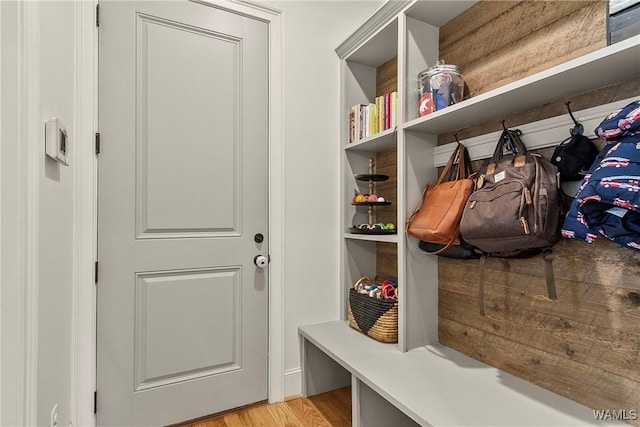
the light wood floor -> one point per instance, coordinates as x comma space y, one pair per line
331, 409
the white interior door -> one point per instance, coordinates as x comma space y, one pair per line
183, 187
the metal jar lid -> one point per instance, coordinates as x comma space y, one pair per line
439, 67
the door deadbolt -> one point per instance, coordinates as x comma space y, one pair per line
258, 238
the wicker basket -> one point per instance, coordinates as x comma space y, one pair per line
373, 317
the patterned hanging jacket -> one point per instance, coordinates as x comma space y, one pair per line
608, 201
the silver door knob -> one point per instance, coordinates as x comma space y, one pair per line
260, 261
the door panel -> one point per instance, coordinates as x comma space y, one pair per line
189, 91
206, 303
182, 309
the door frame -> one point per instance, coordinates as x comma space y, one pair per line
84, 367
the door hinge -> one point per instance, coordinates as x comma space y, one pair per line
95, 402
97, 15
97, 142
95, 273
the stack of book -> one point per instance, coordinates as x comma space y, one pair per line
366, 120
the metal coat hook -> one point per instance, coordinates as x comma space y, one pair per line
577, 129
456, 160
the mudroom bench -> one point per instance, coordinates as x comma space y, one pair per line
428, 386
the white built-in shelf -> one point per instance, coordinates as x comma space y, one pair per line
380, 48
601, 68
381, 141
437, 386
388, 238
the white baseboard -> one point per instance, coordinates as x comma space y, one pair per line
293, 382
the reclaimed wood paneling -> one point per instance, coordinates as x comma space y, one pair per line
526, 38
387, 77
476, 18
387, 253
585, 345
588, 384
387, 260
387, 164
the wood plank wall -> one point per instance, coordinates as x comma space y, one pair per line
497, 42
387, 253
585, 345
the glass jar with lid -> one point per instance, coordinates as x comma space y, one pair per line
440, 86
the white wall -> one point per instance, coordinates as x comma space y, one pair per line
38, 70
312, 31
57, 74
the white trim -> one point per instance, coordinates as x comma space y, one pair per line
293, 382
276, 211
259, 11
541, 134
1, 195
30, 138
83, 368
386, 13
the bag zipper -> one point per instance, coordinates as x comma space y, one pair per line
536, 194
523, 202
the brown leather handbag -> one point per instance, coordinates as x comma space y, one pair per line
438, 219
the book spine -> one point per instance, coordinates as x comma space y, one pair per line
387, 110
379, 112
372, 120
366, 121
356, 110
361, 133
352, 124
384, 112
394, 109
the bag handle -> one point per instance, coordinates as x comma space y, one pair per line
509, 141
464, 170
455, 157
452, 159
